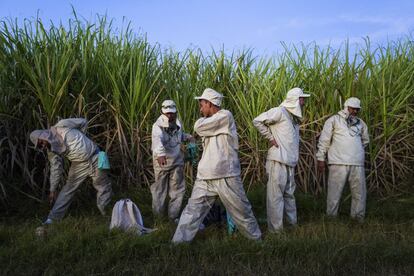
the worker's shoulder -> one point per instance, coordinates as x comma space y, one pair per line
225, 113
161, 122
274, 109
332, 120
335, 117
363, 123
69, 122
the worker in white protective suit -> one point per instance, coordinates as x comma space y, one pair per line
168, 161
343, 138
280, 125
218, 173
67, 139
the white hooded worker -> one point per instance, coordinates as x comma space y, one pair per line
168, 161
280, 125
218, 173
67, 139
343, 138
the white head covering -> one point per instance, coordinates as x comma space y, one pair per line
352, 102
168, 106
55, 140
212, 96
291, 102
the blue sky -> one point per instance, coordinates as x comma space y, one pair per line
234, 25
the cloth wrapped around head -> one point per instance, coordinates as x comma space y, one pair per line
354, 103
291, 102
51, 136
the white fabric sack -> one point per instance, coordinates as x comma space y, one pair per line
126, 216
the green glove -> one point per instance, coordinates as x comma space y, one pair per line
192, 153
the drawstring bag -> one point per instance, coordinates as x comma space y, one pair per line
126, 216
103, 161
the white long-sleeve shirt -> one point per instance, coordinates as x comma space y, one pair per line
56, 170
220, 157
277, 123
168, 145
344, 145
79, 148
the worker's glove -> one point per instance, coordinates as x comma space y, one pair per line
192, 152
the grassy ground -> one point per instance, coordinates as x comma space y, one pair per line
82, 244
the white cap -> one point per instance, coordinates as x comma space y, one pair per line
56, 142
168, 106
212, 96
291, 102
352, 102
292, 98
296, 93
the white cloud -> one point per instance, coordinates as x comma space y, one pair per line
300, 27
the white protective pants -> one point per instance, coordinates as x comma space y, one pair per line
280, 195
171, 182
232, 195
78, 172
338, 176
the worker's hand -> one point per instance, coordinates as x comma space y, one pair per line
321, 166
52, 197
162, 160
274, 143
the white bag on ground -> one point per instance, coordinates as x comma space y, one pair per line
126, 216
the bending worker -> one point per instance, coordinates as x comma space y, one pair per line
344, 137
218, 173
168, 161
280, 125
67, 139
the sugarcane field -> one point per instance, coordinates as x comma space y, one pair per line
119, 156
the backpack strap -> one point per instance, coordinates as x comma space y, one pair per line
133, 216
140, 224
130, 209
117, 214
138, 215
